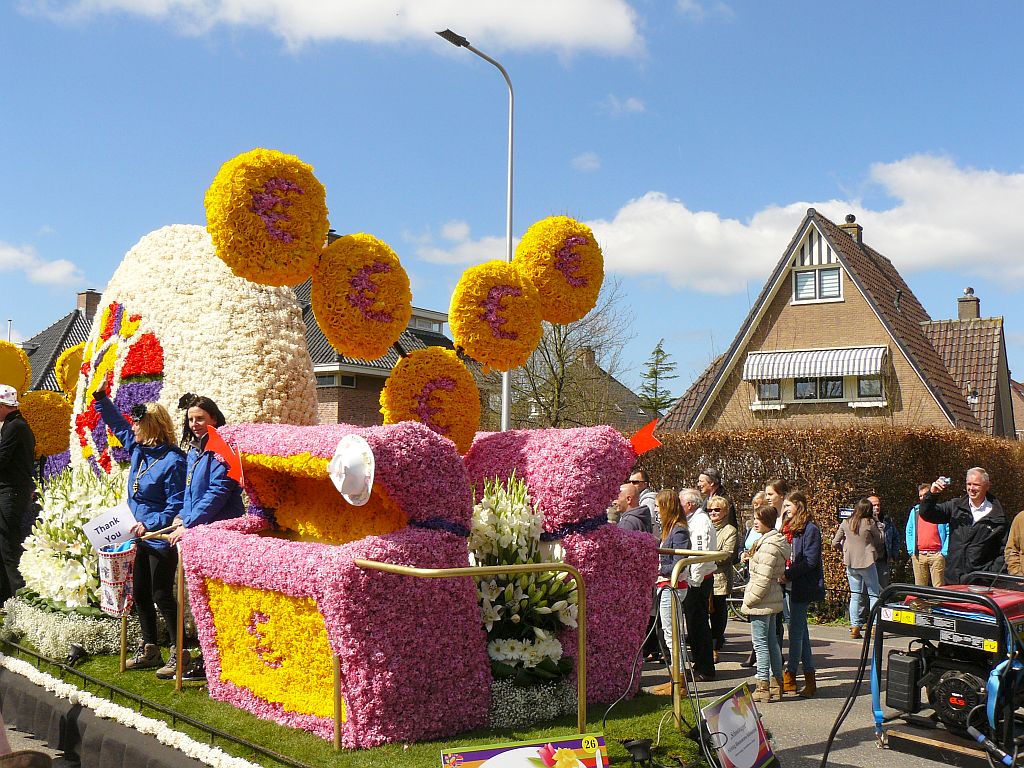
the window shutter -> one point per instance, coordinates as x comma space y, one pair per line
829, 283
804, 285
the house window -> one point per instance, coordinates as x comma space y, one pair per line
805, 389
824, 388
817, 284
348, 382
326, 380
869, 387
769, 390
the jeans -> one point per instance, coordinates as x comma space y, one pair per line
861, 579
665, 613
719, 620
15, 526
155, 569
799, 638
766, 646
698, 626
929, 568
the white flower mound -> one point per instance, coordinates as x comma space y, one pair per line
239, 343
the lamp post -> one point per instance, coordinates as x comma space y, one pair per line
460, 42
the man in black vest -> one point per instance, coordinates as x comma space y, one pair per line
17, 458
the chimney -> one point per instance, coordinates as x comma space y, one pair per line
968, 306
89, 302
853, 229
587, 356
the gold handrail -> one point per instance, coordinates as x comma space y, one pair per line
491, 570
690, 557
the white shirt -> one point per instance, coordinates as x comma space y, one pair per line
702, 539
980, 512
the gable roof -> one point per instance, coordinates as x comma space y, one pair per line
971, 350
885, 291
45, 347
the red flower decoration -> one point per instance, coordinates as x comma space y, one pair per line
145, 358
547, 754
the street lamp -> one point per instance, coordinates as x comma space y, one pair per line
460, 42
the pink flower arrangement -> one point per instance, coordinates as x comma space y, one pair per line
420, 470
571, 474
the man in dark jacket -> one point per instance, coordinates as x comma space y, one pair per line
977, 526
17, 457
633, 516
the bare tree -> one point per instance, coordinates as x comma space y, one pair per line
569, 379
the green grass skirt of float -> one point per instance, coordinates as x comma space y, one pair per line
637, 718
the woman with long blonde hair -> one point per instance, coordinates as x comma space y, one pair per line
674, 535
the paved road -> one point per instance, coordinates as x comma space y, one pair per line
801, 726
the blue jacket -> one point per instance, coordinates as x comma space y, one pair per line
806, 574
892, 541
210, 495
678, 538
159, 471
912, 533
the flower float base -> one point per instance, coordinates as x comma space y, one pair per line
52, 632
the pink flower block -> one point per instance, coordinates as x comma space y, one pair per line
413, 652
572, 474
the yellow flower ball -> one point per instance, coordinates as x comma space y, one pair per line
267, 215
360, 296
14, 368
432, 386
68, 368
495, 315
562, 258
49, 416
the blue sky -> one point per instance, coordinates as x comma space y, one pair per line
691, 135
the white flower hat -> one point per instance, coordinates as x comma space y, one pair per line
351, 469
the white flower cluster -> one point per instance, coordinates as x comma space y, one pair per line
521, 612
526, 653
239, 343
51, 632
127, 717
59, 563
514, 706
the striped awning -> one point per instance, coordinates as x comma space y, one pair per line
857, 361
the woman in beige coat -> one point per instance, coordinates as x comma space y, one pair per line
762, 600
724, 521
861, 540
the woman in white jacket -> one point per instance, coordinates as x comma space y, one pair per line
762, 601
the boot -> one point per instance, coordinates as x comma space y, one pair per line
855, 633
789, 682
146, 657
810, 686
665, 689
778, 688
763, 692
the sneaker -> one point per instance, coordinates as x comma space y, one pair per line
195, 671
170, 669
146, 657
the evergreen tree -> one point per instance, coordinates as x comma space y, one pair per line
653, 392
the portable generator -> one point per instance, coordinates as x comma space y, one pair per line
964, 655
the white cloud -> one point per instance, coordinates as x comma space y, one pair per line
630, 105
945, 217
460, 247
588, 161
701, 10
23, 258
608, 26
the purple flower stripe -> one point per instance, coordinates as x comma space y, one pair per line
118, 318
362, 285
424, 410
270, 205
568, 262
256, 620
492, 305
56, 464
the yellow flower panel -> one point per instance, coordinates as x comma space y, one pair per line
305, 500
273, 645
49, 416
14, 368
68, 369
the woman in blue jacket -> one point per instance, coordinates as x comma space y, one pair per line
156, 486
805, 577
210, 495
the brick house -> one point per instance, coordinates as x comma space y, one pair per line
836, 336
45, 347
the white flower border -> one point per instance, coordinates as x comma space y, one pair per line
108, 710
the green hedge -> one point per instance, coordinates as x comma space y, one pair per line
837, 466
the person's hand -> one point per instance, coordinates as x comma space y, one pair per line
138, 530
745, 556
939, 485
175, 536
99, 394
